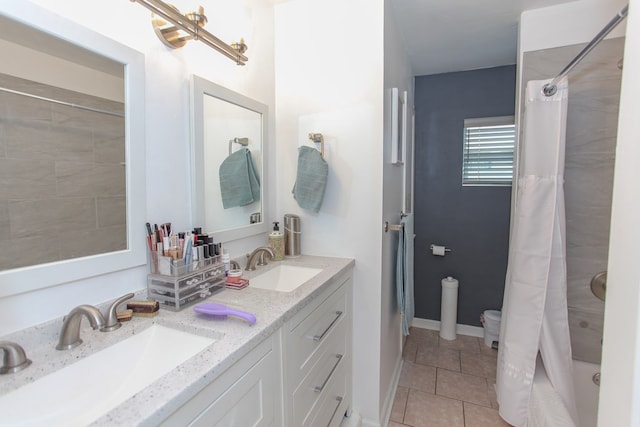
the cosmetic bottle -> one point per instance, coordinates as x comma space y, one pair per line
276, 241
226, 261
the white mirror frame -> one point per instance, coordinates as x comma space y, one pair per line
26, 279
199, 88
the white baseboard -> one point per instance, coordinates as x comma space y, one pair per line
472, 331
391, 392
353, 420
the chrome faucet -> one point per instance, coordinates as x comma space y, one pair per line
258, 254
111, 322
70, 332
14, 358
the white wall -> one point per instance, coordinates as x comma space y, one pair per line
568, 23
167, 126
329, 79
397, 74
560, 26
620, 386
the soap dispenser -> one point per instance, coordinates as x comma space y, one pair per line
276, 241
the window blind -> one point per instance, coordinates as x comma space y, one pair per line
488, 151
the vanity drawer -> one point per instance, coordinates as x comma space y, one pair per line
304, 340
334, 402
330, 359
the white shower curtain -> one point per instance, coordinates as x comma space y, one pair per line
534, 312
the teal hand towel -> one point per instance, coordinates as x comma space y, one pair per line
311, 179
404, 273
239, 182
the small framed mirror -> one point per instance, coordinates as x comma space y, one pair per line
229, 177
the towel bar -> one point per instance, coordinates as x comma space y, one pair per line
242, 141
392, 227
318, 139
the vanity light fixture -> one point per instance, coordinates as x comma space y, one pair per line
174, 29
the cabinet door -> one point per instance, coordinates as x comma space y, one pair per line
247, 394
250, 401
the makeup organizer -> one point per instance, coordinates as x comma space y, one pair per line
176, 284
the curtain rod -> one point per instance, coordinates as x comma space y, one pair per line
68, 104
550, 88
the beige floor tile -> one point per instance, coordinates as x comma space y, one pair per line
409, 350
439, 357
486, 350
429, 410
481, 416
456, 385
418, 377
462, 342
394, 424
399, 404
480, 364
491, 392
426, 337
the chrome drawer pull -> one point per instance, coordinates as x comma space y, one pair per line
318, 389
319, 337
339, 399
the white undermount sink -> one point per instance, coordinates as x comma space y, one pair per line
80, 393
284, 277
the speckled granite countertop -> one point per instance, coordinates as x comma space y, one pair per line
234, 339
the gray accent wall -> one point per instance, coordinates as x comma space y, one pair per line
473, 220
592, 119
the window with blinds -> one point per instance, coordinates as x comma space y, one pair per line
488, 151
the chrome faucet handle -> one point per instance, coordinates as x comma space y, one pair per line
261, 259
258, 255
14, 358
70, 332
111, 322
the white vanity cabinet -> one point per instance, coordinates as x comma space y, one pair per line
316, 359
247, 394
300, 376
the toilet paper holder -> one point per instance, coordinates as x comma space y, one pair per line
432, 246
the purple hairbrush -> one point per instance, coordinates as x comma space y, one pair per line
222, 311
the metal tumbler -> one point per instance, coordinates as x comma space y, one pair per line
291, 235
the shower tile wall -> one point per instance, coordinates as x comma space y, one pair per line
594, 94
62, 179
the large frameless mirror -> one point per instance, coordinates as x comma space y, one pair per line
71, 155
229, 140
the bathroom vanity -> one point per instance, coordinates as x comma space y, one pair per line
291, 368
298, 376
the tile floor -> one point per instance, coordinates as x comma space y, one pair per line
446, 383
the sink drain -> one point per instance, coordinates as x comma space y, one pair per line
596, 378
